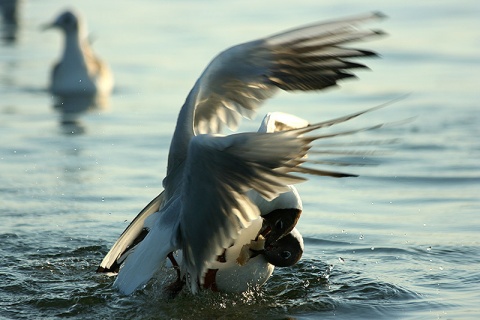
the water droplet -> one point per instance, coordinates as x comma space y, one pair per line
326, 273
372, 248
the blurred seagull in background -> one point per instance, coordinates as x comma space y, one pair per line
79, 71
223, 194
10, 12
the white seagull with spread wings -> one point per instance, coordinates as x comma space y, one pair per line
217, 186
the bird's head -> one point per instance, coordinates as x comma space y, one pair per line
286, 251
68, 21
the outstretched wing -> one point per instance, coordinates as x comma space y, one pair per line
239, 79
133, 234
312, 57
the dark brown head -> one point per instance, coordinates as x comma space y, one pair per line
279, 223
286, 251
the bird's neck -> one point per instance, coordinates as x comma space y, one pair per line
73, 47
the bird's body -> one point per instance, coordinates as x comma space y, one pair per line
219, 188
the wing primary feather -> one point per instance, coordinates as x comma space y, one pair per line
130, 237
311, 57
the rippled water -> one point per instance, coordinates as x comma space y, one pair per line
400, 241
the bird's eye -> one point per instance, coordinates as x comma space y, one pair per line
286, 254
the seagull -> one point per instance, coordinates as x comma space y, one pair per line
270, 241
220, 190
79, 71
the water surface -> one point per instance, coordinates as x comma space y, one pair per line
400, 241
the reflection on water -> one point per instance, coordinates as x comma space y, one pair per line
71, 108
73, 127
9, 9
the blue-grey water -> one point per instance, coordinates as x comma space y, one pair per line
400, 241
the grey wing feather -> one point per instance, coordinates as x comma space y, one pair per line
312, 57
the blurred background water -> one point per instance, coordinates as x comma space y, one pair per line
400, 241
